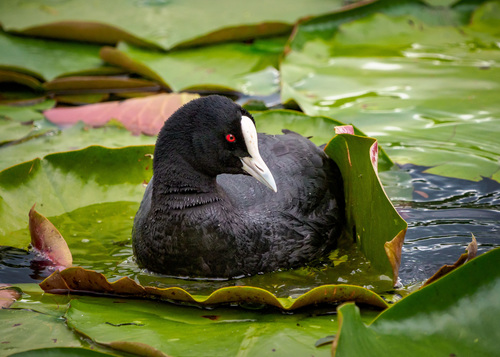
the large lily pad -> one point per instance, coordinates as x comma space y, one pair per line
164, 24
456, 315
386, 75
164, 327
62, 182
76, 137
48, 59
246, 68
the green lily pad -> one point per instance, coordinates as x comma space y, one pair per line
62, 182
424, 91
18, 326
164, 24
325, 26
456, 315
318, 128
48, 59
163, 326
245, 68
375, 225
77, 137
23, 123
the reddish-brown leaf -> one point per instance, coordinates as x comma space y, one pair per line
139, 115
79, 280
8, 295
48, 242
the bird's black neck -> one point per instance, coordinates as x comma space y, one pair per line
177, 185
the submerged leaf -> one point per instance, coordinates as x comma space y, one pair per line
48, 242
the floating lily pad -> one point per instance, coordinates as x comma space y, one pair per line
17, 328
139, 115
164, 24
23, 123
62, 182
424, 91
163, 326
246, 68
456, 315
48, 59
325, 26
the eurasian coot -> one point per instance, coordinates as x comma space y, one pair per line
204, 215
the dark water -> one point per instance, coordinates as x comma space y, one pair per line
441, 214
441, 217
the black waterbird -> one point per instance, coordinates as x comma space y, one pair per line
203, 214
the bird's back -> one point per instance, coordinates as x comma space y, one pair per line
303, 219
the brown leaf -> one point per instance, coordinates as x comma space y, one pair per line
8, 295
21, 78
48, 242
393, 251
471, 253
145, 115
79, 280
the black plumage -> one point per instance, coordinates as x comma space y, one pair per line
203, 215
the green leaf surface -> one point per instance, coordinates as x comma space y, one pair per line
164, 326
371, 219
77, 137
62, 182
325, 26
164, 24
241, 67
428, 93
319, 129
23, 123
456, 315
18, 327
46, 59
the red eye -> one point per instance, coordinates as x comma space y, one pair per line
230, 138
